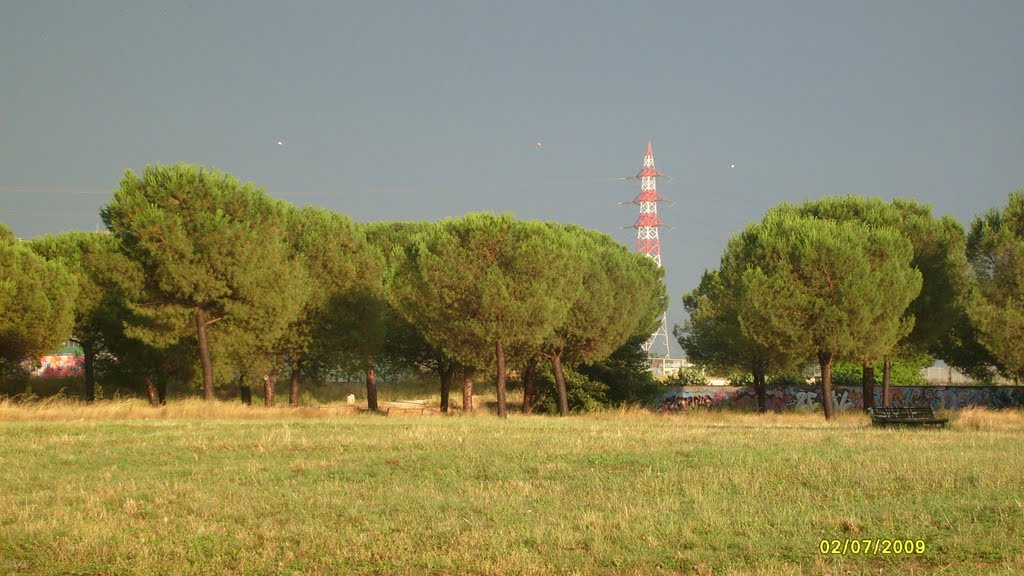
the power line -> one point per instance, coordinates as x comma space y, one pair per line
54, 190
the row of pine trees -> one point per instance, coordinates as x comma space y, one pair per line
863, 280
203, 278
206, 278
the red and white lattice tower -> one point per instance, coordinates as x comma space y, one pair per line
648, 243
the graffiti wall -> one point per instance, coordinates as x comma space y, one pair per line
59, 366
845, 398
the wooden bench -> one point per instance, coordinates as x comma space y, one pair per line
407, 409
905, 417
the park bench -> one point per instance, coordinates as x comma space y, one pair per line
409, 408
905, 417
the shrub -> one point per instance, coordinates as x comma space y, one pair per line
741, 379
687, 377
788, 380
626, 374
584, 394
905, 372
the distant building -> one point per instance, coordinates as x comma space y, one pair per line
947, 375
669, 366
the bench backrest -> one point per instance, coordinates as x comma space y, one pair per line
904, 412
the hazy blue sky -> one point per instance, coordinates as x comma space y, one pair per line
424, 110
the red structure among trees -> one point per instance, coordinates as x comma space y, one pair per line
648, 242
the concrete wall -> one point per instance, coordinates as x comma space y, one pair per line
845, 398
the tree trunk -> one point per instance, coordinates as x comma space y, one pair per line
244, 391
447, 377
204, 354
886, 390
293, 392
467, 389
867, 384
164, 372
499, 355
89, 357
269, 380
760, 389
563, 394
371, 385
529, 386
825, 361
154, 399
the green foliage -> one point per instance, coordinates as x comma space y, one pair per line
406, 349
712, 336
938, 254
584, 394
626, 373
822, 286
905, 372
107, 280
37, 304
404, 345
358, 322
741, 379
483, 287
687, 377
341, 322
712, 329
961, 348
131, 363
995, 249
210, 247
72, 251
788, 380
624, 294
393, 239
480, 279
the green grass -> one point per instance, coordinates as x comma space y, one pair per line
612, 493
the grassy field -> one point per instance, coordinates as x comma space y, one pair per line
121, 488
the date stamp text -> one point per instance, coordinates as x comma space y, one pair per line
871, 546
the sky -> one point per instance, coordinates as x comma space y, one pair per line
402, 110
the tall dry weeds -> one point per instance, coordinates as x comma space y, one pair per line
56, 409
1008, 420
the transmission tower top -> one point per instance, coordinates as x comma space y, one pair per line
647, 224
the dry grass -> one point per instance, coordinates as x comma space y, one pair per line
789, 419
967, 419
988, 420
58, 408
